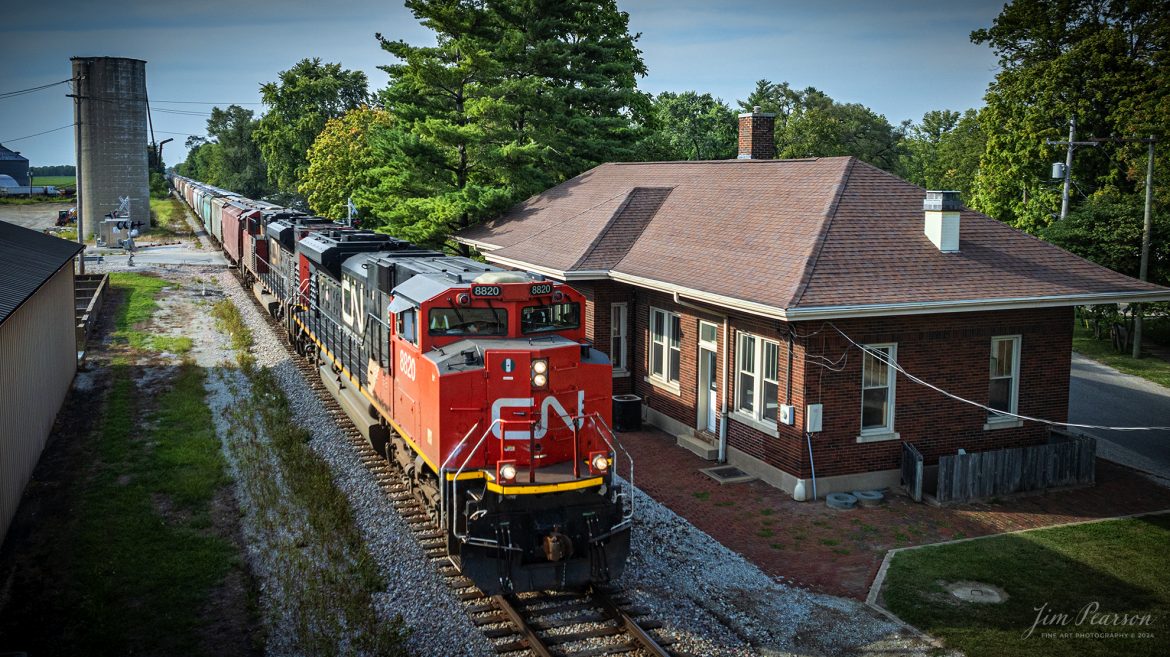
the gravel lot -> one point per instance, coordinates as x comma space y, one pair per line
33, 215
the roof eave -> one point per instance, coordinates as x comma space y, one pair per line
571, 275
973, 305
483, 247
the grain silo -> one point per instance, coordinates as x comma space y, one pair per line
111, 115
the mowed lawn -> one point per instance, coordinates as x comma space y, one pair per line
1093, 589
56, 181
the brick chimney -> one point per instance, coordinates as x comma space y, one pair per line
757, 138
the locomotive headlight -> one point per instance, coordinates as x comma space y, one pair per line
540, 373
507, 471
600, 462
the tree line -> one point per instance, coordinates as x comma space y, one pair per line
516, 96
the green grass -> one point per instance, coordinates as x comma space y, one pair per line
328, 571
55, 181
168, 218
141, 292
1150, 368
1120, 566
702, 495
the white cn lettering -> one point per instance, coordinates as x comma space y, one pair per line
539, 431
406, 364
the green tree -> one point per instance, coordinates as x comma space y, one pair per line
200, 153
235, 162
943, 150
690, 126
299, 103
342, 161
811, 124
1102, 61
514, 97
1107, 229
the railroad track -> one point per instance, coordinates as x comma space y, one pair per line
591, 623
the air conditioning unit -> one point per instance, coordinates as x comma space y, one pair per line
787, 414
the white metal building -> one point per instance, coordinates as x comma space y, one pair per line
38, 351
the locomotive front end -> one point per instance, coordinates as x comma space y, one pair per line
548, 512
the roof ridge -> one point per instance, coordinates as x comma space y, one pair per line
822, 235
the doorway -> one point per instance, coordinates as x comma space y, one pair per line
708, 377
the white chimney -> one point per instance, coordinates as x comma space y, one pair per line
942, 220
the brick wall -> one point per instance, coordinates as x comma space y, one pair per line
952, 352
599, 297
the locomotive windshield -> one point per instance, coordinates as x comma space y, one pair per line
468, 321
554, 317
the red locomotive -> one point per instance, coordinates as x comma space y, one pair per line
477, 382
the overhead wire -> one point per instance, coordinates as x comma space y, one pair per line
37, 134
882, 356
21, 92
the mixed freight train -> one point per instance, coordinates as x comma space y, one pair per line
477, 382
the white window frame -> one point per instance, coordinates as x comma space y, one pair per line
757, 374
995, 419
619, 328
886, 431
668, 321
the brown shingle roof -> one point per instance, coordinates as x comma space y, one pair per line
791, 235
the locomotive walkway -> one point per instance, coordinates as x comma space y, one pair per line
839, 552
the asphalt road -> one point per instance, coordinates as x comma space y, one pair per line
1103, 396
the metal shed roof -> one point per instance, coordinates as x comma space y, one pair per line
31, 260
6, 154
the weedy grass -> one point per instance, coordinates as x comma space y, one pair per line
1052, 577
168, 218
325, 569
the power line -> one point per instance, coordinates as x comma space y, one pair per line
38, 134
199, 102
21, 92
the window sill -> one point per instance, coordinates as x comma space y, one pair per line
752, 422
1003, 423
619, 373
671, 387
879, 437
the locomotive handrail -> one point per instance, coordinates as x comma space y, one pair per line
459, 471
627, 516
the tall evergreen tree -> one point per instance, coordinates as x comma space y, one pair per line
515, 96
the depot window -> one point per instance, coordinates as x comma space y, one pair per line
757, 386
553, 317
1004, 390
468, 321
665, 345
877, 388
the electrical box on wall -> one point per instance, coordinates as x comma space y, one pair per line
813, 418
787, 414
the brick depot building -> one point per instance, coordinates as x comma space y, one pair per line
730, 295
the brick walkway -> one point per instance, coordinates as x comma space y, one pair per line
838, 552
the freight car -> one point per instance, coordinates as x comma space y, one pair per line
477, 382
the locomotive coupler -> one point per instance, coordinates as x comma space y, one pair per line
557, 546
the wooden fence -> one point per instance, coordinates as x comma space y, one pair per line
1066, 460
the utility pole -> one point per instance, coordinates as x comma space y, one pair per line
77, 94
1068, 160
1147, 229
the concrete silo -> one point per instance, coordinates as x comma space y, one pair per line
111, 115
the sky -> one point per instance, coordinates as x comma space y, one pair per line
901, 58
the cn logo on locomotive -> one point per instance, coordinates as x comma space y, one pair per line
542, 428
406, 364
